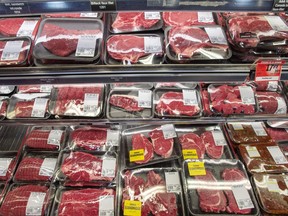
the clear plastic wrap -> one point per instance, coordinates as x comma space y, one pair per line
3, 107
131, 86
6, 89
7, 165
75, 15
34, 88
190, 85
270, 86
271, 103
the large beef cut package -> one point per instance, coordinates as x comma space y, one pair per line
150, 145
77, 100
34, 88
151, 191
130, 104
130, 49
75, 15
199, 142
64, 40
3, 107
84, 201
7, 165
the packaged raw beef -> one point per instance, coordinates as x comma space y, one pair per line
93, 138
84, 201
271, 190
124, 22
284, 16
74, 15
199, 142
155, 191
218, 187
177, 103
46, 138
23, 106
3, 188
34, 88
185, 18
232, 99
271, 103
7, 165
130, 49
77, 100
130, 104
270, 86
6, 89
131, 85
173, 85
36, 166
278, 134
83, 168
65, 40
205, 102
264, 158
186, 44
150, 145
248, 132
3, 107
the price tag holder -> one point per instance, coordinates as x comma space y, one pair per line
113, 137
54, 137
108, 167
168, 131
48, 166
277, 155
152, 45
252, 151
91, 102
145, 98
35, 204
27, 28
12, 50
219, 138
152, 15
247, 95
272, 185
190, 97
189, 154
106, 205
132, 208
172, 182
103, 5
242, 197
86, 46
4, 165
216, 35
269, 70
136, 155
258, 129
196, 168
39, 107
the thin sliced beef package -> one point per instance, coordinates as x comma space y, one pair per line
34, 88
271, 103
7, 165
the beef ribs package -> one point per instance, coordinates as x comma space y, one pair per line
199, 142
130, 104
124, 22
74, 15
8, 162
84, 201
36, 166
155, 191
184, 103
218, 187
93, 138
3, 107
83, 168
6, 89
176, 85
64, 40
147, 145
46, 138
131, 86
186, 44
127, 49
24, 106
34, 88
77, 100
271, 191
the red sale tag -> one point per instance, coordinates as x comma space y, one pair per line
268, 70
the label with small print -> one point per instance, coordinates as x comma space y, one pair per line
237, 126
190, 97
11, 51
168, 131
172, 182
106, 205
27, 28
46, 88
258, 129
189, 154
276, 23
196, 168
282, 107
252, 151
39, 107
54, 137
206, 17
242, 197
286, 180
136, 155
272, 185
277, 155
35, 204
272, 86
108, 167
4, 165
145, 98
132, 208
152, 45
219, 138
113, 137
216, 35
90, 102
95, 15
86, 46
48, 166
247, 95
152, 15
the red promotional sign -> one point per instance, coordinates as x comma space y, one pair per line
268, 70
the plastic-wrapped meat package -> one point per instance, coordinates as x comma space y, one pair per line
185, 18
271, 103
284, 16
34, 88
7, 165
278, 134
206, 103
270, 86
25, 200
3, 108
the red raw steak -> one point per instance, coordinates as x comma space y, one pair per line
9, 172
268, 102
206, 103
183, 18
128, 103
22, 56
3, 108
212, 150
193, 141
139, 141
82, 202
172, 103
162, 146
16, 200
278, 134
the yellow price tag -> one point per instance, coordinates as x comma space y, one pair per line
136, 155
189, 154
132, 208
196, 168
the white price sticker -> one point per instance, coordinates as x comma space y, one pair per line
277, 155
252, 151
6, 89
106, 205
48, 166
172, 182
90, 102
27, 28
272, 185
95, 15
282, 107
219, 138
277, 23
168, 131
46, 88
272, 86
247, 95
86, 46
237, 126
35, 204
242, 197
39, 107
113, 137
216, 35
145, 98
11, 51
286, 180
190, 97
152, 45
258, 129
4, 165
54, 137
205, 17
152, 15
108, 167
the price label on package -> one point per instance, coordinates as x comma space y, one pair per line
242, 197
86, 46
27, 28
282, 107
189, 154
54, 137
145, 98
216, 35
91, 103
258, 129
113, 137
35, 204
4, 165
108, 167
269, 70
252, 151
152, 45
46, 88
277, 23
152, 15
196, 168
11, 51
219, 138
206, 17
277, 155
172, 182
272, 185
106, 205
47, 167
132, 208
247, 95
168, 131
136, 155
237, 126
190, 97
39, 107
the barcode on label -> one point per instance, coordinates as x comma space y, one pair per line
190, 97
152, 45
247, 95
39, 107
205, 17
113, 137
145, 98
46, 88
35, 204
272, 86
4, 165
90, 103
172, 182
11, 51
108, 167
106, 205
216, 35
168, 131
152, 15
242, 197
219, 138
106, 213
54, 137
86, 46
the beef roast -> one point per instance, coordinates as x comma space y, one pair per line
212, 150
183, 18
140, 141
193, 141
162, 146
125, 102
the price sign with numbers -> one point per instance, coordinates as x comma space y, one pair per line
91, 103
106, 205
268, 70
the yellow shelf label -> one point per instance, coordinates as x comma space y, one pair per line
196, 168
189, 154
132, 208
136, 155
